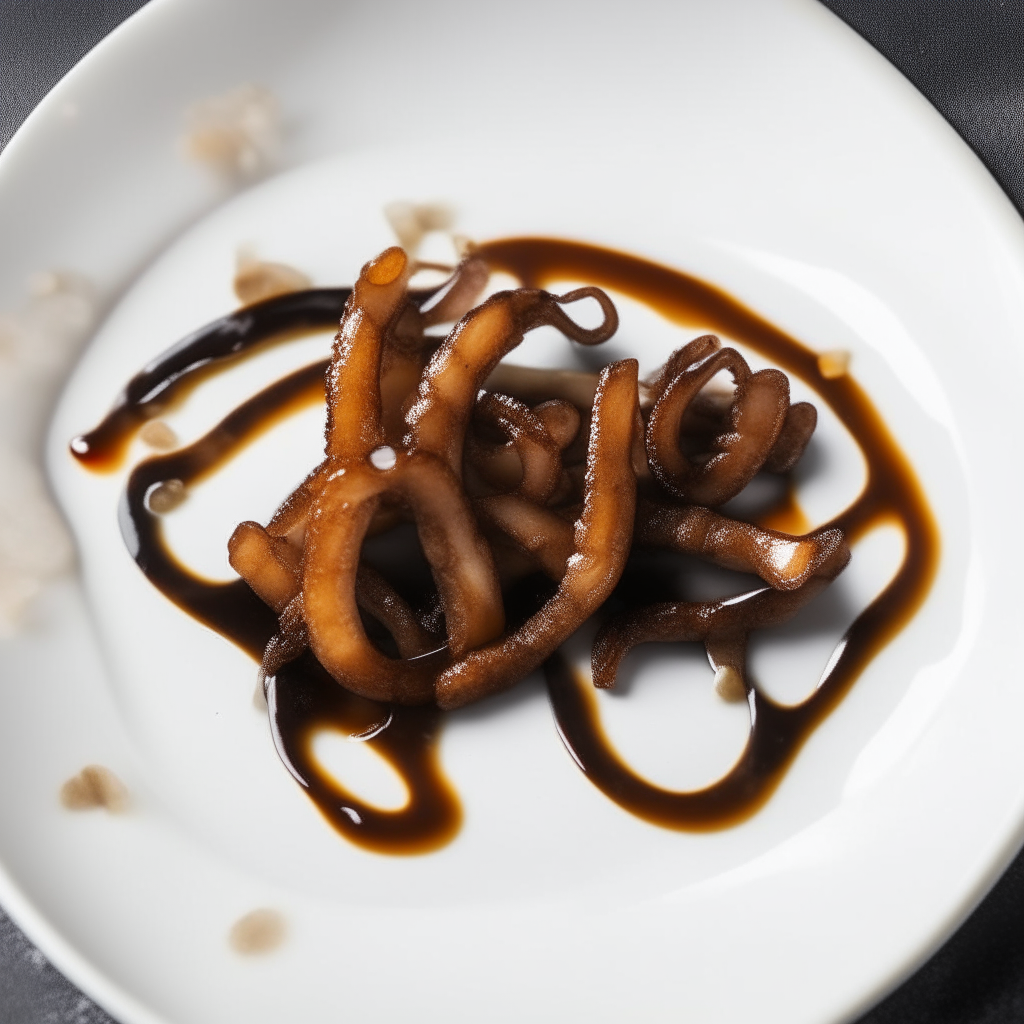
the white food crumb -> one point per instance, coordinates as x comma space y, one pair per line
256, 279
94, 786
259, 931
157, 434
383, 457
729, 684
411, 221
237, 134
166, 496
834, 364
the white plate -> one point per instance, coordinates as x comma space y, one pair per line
760, 145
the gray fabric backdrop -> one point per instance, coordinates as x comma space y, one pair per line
968, 59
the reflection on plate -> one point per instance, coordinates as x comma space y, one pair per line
831, 234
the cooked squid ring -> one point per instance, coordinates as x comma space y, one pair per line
456, 298
711, 415
758, 412
542, 534
801, 419
601, 543
269, 559
377, 597
561, 420
530, 463
439, 416
407, 348
265, 563
459, 557
682, 359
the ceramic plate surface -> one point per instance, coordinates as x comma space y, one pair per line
758, 145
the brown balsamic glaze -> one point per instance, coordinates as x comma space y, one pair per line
214, 348
303, 699
891, 494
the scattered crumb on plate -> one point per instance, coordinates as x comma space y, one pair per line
729, 684
259, 931
834, 364
166, 497
94, 786
256, 279
411, 221
157, 434
237, 134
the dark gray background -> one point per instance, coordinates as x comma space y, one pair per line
968, 59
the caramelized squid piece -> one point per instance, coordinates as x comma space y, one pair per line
759, 410
543, 535
378, 598
801, 419
783, 561
439, 416
407, 348
801, 567
601, 543
398, 434
530, 463
306, 563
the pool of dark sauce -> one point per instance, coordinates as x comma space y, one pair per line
304, 700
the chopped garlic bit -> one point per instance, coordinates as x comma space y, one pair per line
259, 931
383, 457
157, 434
237, 134
729, 684
256, 279
94, 786
834, 364
411, 221
166, 496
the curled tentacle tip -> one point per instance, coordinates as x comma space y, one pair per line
605, 656
450, 696
387, 267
